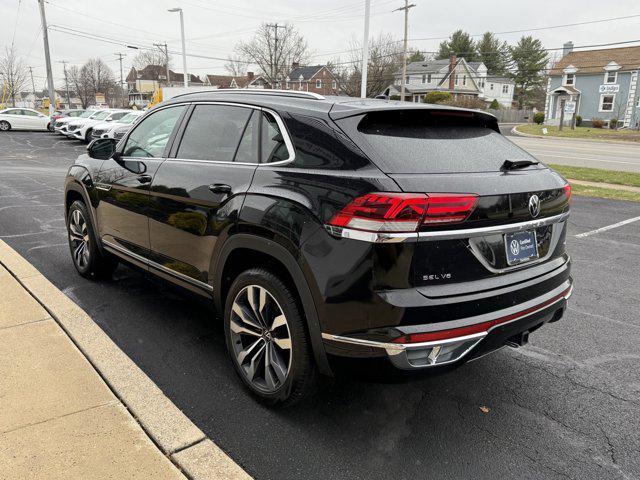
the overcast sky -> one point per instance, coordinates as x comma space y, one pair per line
214, 27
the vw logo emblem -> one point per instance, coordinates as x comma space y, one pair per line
514, 246
534, 206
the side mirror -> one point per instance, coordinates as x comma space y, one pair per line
102, 148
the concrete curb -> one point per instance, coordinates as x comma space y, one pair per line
518, 133
170, 429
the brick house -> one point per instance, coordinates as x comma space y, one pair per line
314, 78
143, 83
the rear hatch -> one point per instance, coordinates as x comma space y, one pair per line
519, 216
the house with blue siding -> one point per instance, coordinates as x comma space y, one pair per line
602, 84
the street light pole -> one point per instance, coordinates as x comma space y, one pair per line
184, 52
365, 50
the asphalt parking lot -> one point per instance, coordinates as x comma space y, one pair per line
565, 406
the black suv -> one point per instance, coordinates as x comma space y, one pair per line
328, 229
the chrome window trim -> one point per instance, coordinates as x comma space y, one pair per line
283, 129
427, 236
157, 266
255, 91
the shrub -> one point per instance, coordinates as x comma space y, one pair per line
539, 118
394, 97
466, 101
495, 105
613, 123
597, 122
578, 120
437, 97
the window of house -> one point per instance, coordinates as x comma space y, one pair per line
334, 85
213, 132
610, 77
505, 88
457, 79
300, 86
406, 80
273, 146
464, 79
570, 79
424, 79
491, 86
606, 103
150, 137
287, 85
318, 83
429, 78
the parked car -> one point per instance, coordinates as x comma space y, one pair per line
412, 236
81, 128
61, 124
23, 119
107, 129
73, 112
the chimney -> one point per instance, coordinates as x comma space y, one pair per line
567, 48
250, 75
295, 65
452, 66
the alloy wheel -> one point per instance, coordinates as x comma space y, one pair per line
260, 338
4, 126
79, 238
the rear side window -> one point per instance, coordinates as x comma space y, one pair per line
273, 146
214, 132
422, 141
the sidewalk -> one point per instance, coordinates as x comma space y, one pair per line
74, 406
59, 419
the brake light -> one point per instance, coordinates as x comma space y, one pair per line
567, 191
403, 212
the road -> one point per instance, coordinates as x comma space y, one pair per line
580, 153
566, 406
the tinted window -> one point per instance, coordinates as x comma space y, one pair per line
248, 148
213, 132
152, 134
29, 113
420, 141
100, 115
272, 142
117, 116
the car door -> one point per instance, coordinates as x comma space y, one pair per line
123, 182
32, 120
18, 119
197, 192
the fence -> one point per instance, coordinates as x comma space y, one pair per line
509, 115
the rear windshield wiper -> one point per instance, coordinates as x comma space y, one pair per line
514, 164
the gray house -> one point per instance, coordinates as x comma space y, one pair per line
600, 83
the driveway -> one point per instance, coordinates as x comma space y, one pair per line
565, 406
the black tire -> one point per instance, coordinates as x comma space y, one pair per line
5, 126
50, 127
302, 377
85, 254
87, 136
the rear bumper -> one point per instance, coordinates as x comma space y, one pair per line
465, 340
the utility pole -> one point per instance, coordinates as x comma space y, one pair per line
274, 61
166, 59
365, 50
33, 87
66, 82
406, 8
47, 58
120, 56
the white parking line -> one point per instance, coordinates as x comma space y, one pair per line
608, 227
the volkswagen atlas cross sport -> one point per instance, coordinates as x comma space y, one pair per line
329, 229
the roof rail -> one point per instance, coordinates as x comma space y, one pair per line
257, 91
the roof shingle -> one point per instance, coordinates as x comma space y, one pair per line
594, 61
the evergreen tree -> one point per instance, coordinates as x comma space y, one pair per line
416, 56
494, 54
460, 43
529, 61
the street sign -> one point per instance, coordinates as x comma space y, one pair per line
609, 88
570, 107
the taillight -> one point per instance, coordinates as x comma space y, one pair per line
403, 212
567, 191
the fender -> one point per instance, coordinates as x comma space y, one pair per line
280, 253
79, 180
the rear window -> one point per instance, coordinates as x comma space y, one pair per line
423, 141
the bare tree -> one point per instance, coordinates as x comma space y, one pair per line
385, 59
274, 50
94, 77
13, 74
236, 66
151, 57
81, 84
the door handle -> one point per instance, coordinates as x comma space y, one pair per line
145, 178
220, 188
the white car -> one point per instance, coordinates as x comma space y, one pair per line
61, 124
81, 128
107, 129
23, 119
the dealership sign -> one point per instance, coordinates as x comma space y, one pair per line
609, 88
